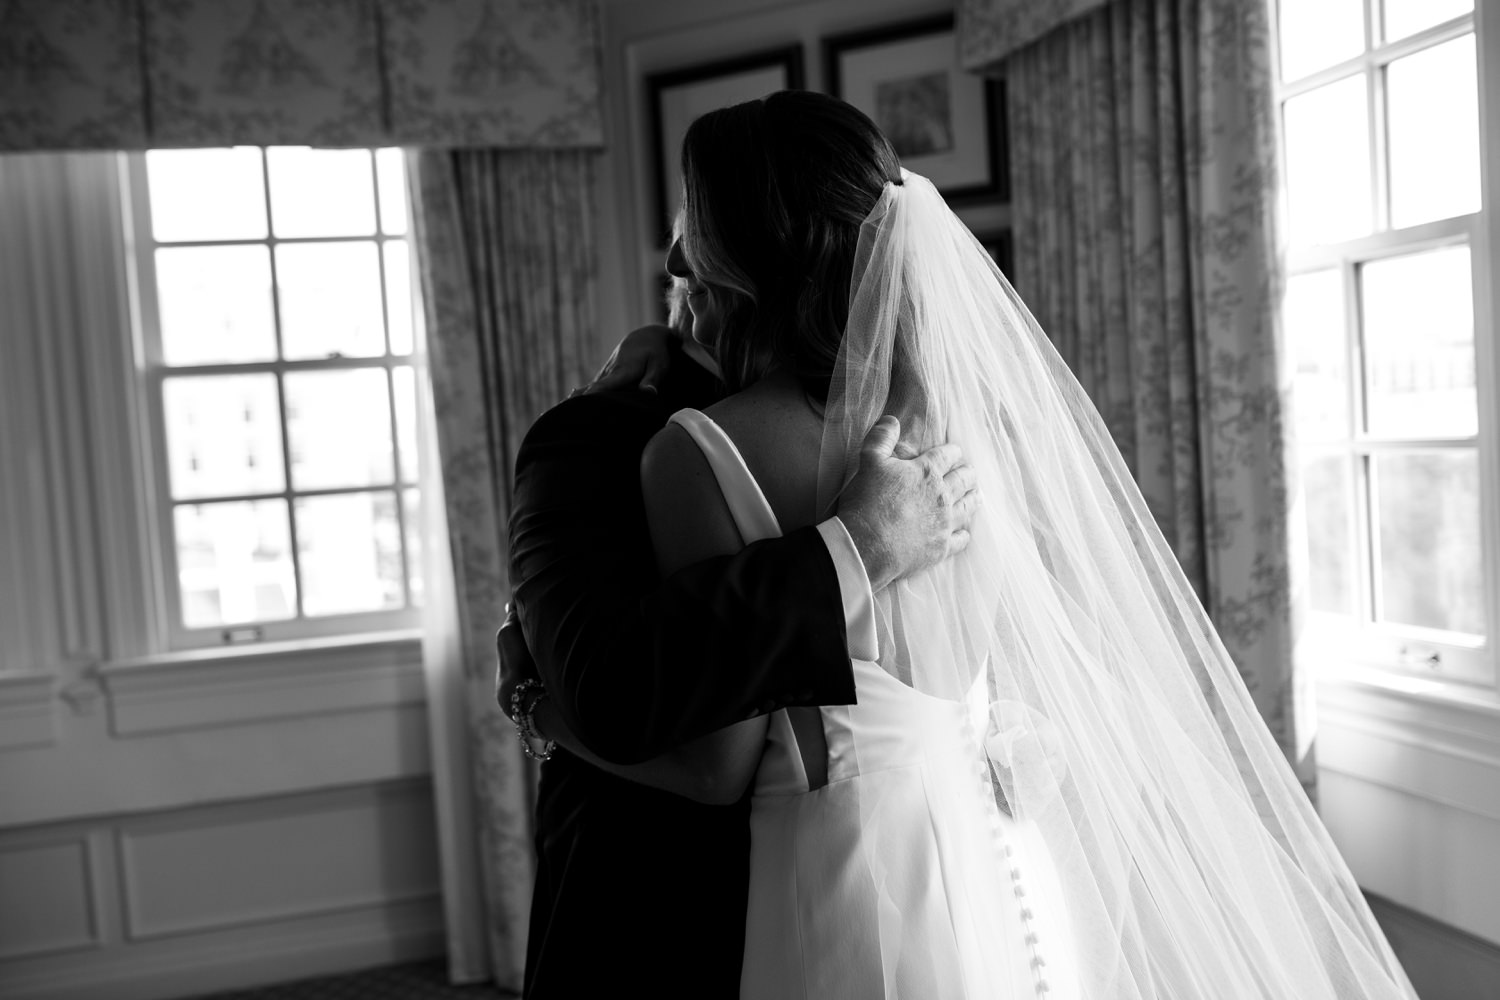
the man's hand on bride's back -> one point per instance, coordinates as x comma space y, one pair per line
907, 512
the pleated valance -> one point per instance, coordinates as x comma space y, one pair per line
990, 30
131, 74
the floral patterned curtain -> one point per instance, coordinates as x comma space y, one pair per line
1144, 180
508, 265
990, 30
131, 74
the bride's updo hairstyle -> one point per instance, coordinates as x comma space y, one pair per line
776, 190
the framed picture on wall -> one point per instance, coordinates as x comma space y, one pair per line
678, 96
945, 123
1000, 245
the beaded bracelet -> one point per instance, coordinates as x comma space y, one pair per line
521, 714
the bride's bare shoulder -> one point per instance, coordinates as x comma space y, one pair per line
779, 433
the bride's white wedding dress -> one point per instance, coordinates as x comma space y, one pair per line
969, 896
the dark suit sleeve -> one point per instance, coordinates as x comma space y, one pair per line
637, 666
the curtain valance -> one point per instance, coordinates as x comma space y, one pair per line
130, 74
990, 30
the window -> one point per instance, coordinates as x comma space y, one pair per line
1387, 263
275, 337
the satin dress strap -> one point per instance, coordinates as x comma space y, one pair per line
800, 727
747, 502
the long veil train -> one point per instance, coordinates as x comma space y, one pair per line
1190, 862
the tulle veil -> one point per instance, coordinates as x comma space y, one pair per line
1107, 711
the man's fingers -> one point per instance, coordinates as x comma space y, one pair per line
964, 509
942, 458
881, 440
612, 379
958, 541
607, 369
961, 479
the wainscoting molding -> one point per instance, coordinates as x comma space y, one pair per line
204, 688
1443, 962
276, 859
214, 962
1409, 787
225, 896
53, 895
27, 717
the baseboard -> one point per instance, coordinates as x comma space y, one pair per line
198, 964
1443, 962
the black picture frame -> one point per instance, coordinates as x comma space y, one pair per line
1000, 245
671, 108
971, 109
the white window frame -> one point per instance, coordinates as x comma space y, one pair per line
1338, 640
166, 633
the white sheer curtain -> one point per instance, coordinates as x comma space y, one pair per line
442, 661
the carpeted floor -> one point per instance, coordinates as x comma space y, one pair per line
417, 981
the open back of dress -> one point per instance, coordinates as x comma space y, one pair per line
964, 893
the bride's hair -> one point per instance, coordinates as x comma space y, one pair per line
775, 192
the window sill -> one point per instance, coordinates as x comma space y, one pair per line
227, 686
26, 710
1455, 697
1436, 740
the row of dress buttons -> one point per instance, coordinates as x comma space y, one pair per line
1033, 943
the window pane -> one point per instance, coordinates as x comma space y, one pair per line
1407, 17
1316, 34
234, 563
1315, 332
404, 385
1328, 163
1419, 345
398, 295
330, 300
411, 501
1428, 519
339, 425
223, 435
206, 194
1325, 485
1433, 114
321, 192
392, 191
215, 305
349, 547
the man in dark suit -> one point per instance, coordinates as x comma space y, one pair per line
638, 889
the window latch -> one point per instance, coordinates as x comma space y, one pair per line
1421, 656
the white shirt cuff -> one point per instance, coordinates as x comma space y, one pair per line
854, 588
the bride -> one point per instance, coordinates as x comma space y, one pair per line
1054, 782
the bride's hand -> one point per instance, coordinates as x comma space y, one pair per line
640, 359
906, 513
513, 662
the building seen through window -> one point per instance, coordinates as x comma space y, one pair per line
278, 332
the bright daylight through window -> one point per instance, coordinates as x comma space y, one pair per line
1382, 133
277, 325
